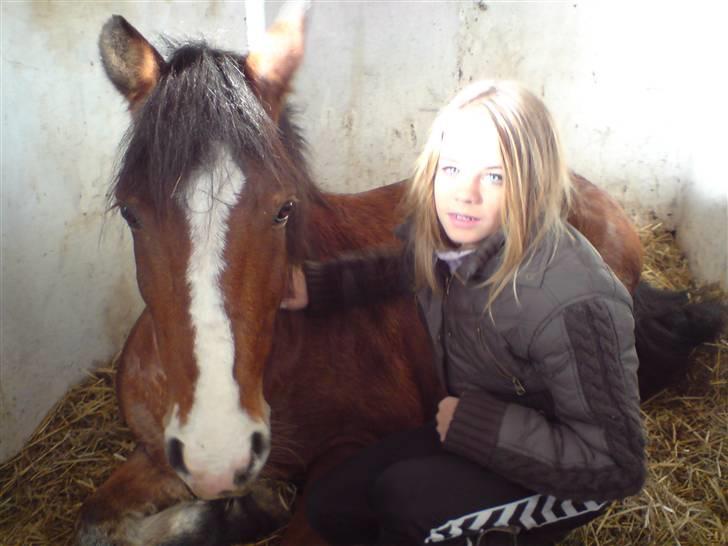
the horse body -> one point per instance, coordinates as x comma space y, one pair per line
335, 384
347, 379
598, 216
222, 389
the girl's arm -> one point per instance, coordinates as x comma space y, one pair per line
594, 447
359, 278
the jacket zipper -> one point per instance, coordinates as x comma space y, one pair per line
517, 385
443, 342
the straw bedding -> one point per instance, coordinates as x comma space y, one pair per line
684, 501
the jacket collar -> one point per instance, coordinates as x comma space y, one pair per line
479, 265
476, 263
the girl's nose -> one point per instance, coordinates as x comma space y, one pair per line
468, 188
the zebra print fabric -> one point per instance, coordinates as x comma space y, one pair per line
527, 513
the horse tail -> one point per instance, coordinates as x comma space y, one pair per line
667, 329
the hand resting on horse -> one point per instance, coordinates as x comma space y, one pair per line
296, 297
445, 412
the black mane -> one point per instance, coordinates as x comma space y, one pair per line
203, 102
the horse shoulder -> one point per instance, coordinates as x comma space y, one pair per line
142, 386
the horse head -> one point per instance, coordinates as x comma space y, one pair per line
213, 187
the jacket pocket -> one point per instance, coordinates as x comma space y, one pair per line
497, 363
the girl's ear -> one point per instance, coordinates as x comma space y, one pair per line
274, 60
131, 63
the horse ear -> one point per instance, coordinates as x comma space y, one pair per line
273, 61
131, 63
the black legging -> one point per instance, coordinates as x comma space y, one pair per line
408, 490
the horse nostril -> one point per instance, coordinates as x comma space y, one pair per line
174, 455
258, 444
242, 477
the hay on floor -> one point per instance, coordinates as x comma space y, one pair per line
72, 452
684, 502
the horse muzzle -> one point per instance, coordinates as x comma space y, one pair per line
225, 475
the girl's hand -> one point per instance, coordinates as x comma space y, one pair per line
445, 411
296, 297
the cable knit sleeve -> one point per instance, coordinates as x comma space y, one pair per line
594, 447
358, 278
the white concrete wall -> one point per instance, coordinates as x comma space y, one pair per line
635, 88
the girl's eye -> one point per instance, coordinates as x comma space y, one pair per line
449, 170
284, 212
128, 215
494, 178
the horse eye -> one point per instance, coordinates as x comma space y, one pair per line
128, 215
284, 212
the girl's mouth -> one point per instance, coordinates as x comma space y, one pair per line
462, 220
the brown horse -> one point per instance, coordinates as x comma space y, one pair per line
221, 388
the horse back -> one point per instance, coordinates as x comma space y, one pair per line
348, 222
370, 218
603, 221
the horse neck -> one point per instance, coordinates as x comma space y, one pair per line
337, 223
341, 223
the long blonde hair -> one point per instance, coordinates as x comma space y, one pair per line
537, 186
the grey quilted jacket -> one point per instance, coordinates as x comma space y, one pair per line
547, 382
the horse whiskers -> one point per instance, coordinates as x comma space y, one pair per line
284, 449
285, 454
176, 185
281, 426
285, 441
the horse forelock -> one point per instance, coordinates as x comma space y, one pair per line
204, 102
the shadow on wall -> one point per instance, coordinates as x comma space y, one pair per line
703, 213
703, 227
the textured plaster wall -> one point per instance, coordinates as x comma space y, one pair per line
635, 88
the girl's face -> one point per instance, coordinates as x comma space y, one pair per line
469, 178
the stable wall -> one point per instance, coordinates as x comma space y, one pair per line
634, 91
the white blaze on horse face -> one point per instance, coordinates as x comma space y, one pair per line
217, 434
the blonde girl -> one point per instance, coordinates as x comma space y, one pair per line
533, 340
